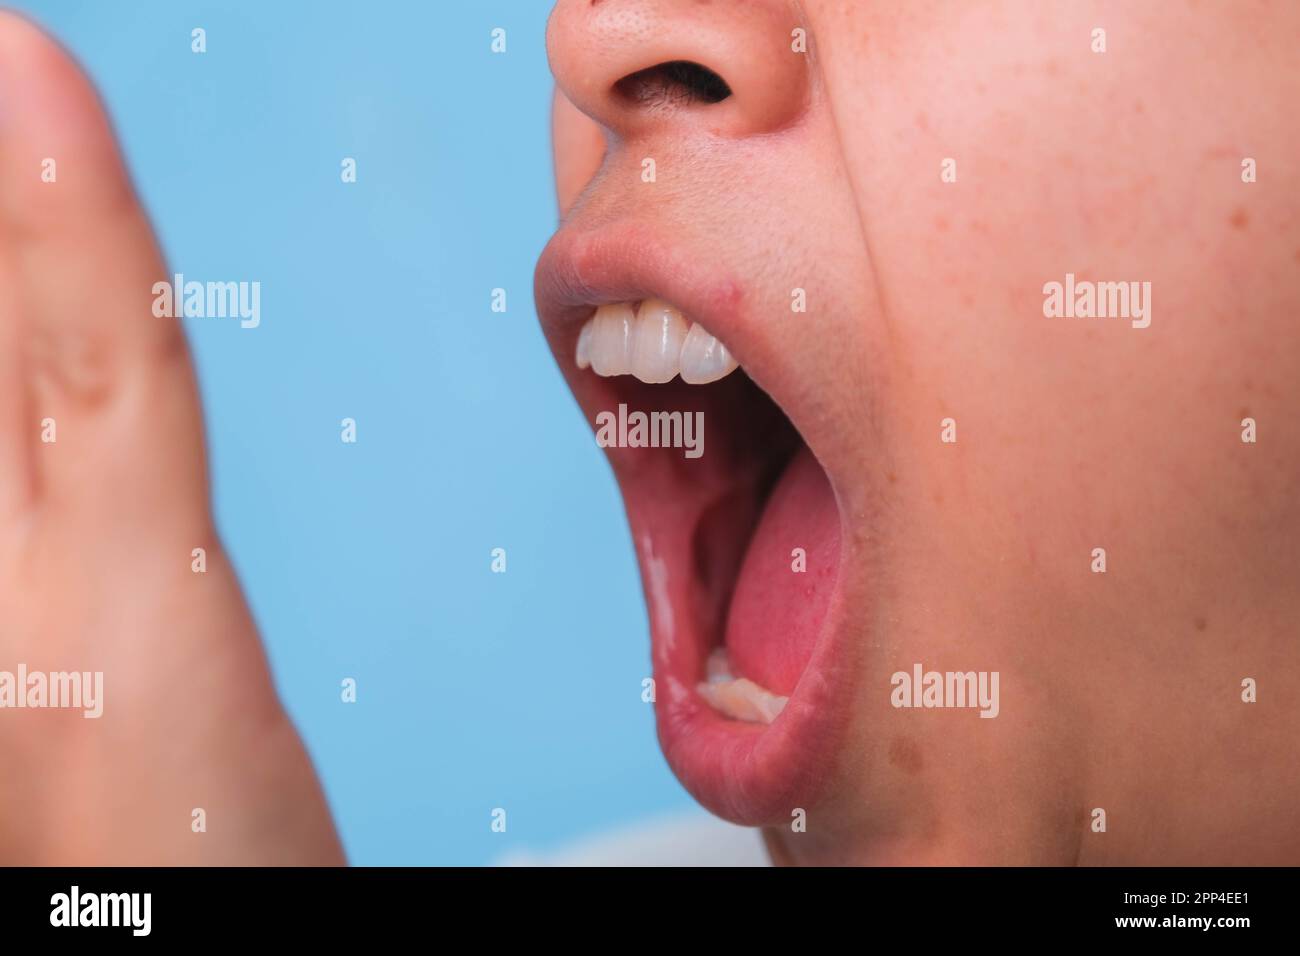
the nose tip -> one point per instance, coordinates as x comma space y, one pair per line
635, 64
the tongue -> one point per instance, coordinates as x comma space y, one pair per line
776, 611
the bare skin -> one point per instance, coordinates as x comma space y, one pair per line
100, 525
1120, 691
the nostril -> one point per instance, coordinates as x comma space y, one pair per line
674, 83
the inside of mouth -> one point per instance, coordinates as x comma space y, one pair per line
764, 547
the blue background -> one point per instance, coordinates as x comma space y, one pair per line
475, 690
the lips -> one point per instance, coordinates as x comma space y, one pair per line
740, 548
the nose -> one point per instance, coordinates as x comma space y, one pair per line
737, 67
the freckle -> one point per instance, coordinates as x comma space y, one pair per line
1199, 623
906, 755
1138, 107
893, 478
922, 122
941, 224
978, 225
1239, 219
1244, 413
1052, 68
967, 300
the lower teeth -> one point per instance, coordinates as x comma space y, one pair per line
738, 697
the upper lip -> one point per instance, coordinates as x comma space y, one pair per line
749, 774
581, 269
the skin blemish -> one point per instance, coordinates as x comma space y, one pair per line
1199, 623
1239, 219
727, 295
905, 754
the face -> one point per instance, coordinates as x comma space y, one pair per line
1013, 305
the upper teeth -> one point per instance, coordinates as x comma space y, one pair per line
652, 343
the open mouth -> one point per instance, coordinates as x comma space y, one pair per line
765, 546
735, 521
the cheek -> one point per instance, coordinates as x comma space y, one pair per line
1113, 167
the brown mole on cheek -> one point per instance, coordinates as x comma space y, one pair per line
905, 754
1199, 623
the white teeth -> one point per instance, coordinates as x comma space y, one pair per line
704, 359
657, 342
583, 358
610, 344
653, 343
738, 698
